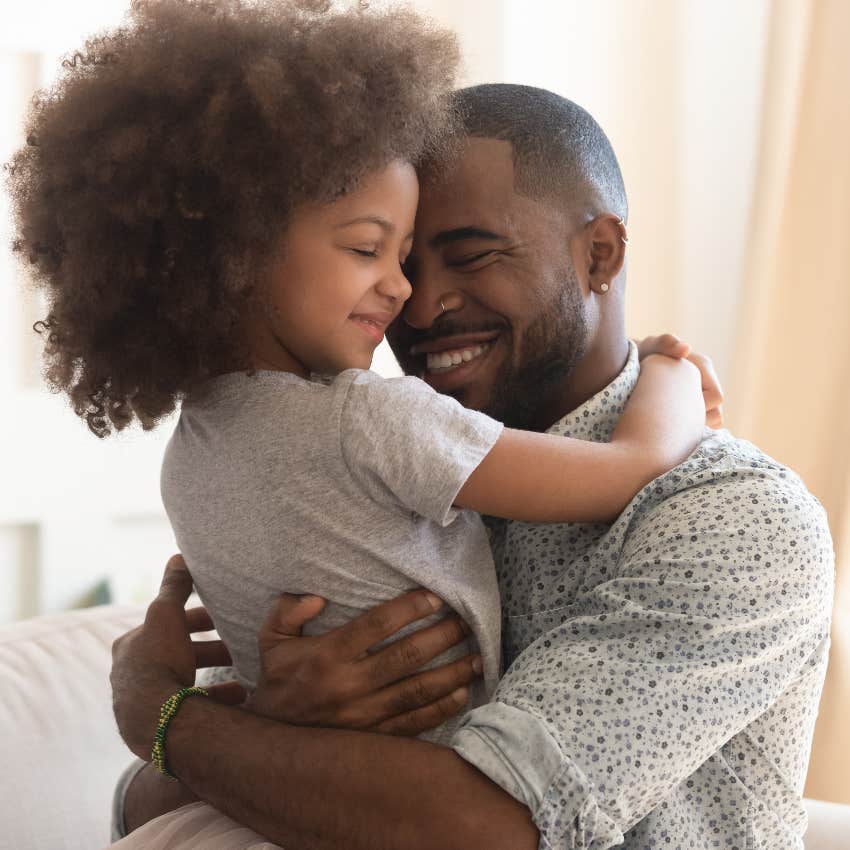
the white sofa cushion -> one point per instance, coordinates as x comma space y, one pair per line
829, 826
61, 749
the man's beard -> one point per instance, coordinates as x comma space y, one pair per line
552, 346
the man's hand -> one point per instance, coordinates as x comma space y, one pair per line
306, 787
333, 680
671, 346
156, 659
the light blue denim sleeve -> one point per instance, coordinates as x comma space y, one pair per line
515, 750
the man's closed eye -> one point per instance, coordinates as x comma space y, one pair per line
469, 259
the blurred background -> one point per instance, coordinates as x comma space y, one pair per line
732, 124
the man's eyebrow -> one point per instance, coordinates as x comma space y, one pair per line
459, 234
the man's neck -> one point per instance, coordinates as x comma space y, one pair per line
601, 364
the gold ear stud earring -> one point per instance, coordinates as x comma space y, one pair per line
604, 287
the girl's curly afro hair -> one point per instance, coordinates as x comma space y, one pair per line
161, 167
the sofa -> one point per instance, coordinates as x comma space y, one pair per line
62, 753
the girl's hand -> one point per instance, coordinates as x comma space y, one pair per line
663, 420
671, 346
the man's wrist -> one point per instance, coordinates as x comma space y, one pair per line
138, 715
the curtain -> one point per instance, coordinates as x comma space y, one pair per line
790, 391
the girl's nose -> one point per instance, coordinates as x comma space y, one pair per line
395, 285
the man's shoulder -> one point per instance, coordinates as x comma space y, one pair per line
731, 501
724, 461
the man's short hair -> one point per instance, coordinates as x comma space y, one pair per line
560, 153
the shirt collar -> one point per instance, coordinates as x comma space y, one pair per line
596, 419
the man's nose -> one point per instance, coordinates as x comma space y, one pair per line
423, 307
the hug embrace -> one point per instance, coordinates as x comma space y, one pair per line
524, 596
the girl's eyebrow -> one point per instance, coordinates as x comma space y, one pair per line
369, 219
388, 226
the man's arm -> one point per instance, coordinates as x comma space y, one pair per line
324, 789
305, 787
315, 681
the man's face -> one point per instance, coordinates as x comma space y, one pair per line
514, 326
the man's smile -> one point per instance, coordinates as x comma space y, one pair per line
453, 342
447, 361
451, 362
450, 359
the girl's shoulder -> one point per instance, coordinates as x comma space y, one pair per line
369, 382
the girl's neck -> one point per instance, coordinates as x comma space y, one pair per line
278, 360
267, 352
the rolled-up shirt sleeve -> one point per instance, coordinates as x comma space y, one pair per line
707, 619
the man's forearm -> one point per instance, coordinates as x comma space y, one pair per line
322, 789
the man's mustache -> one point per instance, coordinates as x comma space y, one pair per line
443, 327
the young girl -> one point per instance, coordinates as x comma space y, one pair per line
219, 200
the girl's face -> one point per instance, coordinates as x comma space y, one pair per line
336, 281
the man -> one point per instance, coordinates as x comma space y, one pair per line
662, 673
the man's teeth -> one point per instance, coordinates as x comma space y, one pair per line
444, 360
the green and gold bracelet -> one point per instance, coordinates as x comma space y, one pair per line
166, 715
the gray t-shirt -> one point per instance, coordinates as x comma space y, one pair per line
343, 489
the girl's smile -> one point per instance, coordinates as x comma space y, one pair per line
373, 324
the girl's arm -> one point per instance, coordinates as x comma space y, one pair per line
546, 478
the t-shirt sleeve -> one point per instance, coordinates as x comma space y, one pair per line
407, 445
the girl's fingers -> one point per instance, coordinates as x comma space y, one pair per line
672, 346
713, 397
711, 390
667, 344
714, 418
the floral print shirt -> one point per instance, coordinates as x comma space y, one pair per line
663, 673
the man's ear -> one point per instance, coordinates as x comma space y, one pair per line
606, 239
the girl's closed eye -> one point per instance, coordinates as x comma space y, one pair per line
365, 252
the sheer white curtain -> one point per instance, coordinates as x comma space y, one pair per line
791, 396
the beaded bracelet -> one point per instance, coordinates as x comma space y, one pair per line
166, 715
